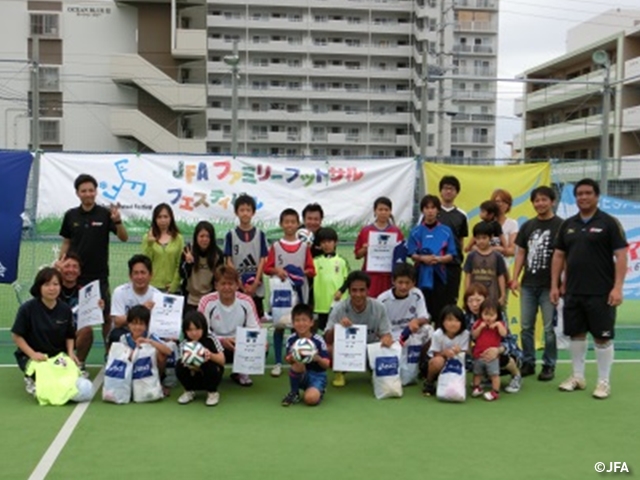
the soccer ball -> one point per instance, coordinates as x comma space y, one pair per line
193, 354
303, 350
305, 235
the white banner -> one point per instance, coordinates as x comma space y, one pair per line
204, 187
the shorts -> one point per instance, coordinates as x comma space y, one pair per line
492, 368
313, 379
589, 313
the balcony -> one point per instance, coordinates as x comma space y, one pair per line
476, 5
488, 72
631, 119
583, 128
133, 69
473, 139
632, 71
518, 107
567, 91
135, 124
473, 118
190, 44
475, 49
486, 27
484, 96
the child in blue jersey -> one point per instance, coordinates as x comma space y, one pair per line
310, 377
245, 249
432, 245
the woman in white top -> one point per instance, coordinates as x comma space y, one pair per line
509, 225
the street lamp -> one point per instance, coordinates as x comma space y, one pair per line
233, 61
601, 58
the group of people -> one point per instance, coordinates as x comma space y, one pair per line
582, 259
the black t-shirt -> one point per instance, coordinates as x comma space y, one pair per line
456, 220
589, 247
89, 236
45, 330
536, 238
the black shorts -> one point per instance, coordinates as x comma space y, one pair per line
589, 313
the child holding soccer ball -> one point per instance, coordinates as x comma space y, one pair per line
201, 363
309, 359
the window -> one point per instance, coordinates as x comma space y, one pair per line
45, 24
50, 78
49, 131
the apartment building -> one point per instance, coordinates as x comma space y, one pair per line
563, 121
323, 78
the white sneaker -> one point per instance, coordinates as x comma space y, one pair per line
573, 383
30, 386
514, 385
603, 390
276, 371
213, 398
186, 397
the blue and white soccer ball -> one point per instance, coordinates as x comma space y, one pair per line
193, 354
305, 235
303, 350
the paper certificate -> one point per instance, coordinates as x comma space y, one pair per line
380, 251
350, 348
251, 345
166, 315
89, 311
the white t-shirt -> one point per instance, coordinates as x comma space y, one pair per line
223, 320
402, 310
124, 297
509, 227
441, 341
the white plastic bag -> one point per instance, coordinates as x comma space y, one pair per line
146, 379
385, 364
562, 341
170, 378
283, 299
117, 376
411, 354
451, 382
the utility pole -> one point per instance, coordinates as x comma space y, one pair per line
423, 102
441, 46
233, 61
35, 93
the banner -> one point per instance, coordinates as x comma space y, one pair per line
15, 168
205, 187
628, 213
477, 185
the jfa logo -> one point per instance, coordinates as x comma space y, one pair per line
383, 239
613, 467
252, 337
121, 167
351, 333
87, 291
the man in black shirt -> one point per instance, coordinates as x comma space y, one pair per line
535, 249
456, 220
585, 249
85, 231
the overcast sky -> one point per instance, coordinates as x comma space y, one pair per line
533, 32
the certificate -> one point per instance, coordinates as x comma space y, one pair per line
166, 315
251, 345
380, 251
89, 311
350, 348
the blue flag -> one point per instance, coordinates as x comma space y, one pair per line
15, 168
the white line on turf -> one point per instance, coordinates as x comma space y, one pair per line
52, 453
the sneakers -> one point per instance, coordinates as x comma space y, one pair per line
573, 383
514, 385
491, 395
603, 390
428, 389
186, 397
290, 398
30, 386
338, 379
213, 398
528, 369
547, 373
276, 371
242, 379
477, 392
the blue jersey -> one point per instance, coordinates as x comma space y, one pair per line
439, 241
320, 344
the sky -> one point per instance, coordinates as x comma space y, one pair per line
531, 33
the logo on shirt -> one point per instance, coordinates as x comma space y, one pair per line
97, 224
595, 230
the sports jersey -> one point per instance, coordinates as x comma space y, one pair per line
297, 254
402, 310
124, 297
246, 248
331, 272
320, 344
436, 240
380, 281
128, 340
224, 319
